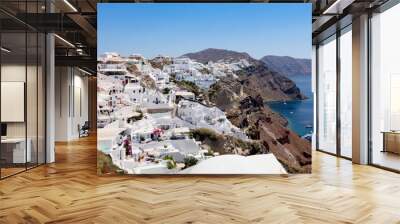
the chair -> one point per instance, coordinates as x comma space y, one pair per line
84, 130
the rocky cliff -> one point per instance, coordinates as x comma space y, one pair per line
242, 99
215, 55
245, 108
271, 85
288, 66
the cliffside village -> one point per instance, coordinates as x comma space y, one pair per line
146, 119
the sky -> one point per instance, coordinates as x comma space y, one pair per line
151, 29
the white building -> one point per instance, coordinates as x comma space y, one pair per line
201, 116
144, 96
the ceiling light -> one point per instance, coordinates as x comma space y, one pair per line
70, 5
5, 50
65, 41
337, 7
333, 6
86, 72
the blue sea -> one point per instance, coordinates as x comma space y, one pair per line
299, 113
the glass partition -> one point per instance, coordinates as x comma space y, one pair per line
346, 92
31, 98
327, 95
22, 77
41, 97
13, 92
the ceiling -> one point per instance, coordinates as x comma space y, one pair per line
75, 22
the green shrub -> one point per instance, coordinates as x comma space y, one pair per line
105, 164
240, 143
189, 86
209, 153
171, 164
205, 71
168, 157
190, 161
213, 90
166, 90
201, 134
253, 132
255, 149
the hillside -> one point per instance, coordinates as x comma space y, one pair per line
257, 78
288, 66
214, 55
242, 99
263, 125
272, 86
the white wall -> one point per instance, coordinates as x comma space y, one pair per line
33, 126
71, 93
12, 73
61, 103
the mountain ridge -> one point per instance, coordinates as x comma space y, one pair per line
215, 54
285, 65
258, 78
288, 66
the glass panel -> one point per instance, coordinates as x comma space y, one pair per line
31, 99
13, 80
31, 87
346, 93
385, 89
23, 82
41, 99
327, 96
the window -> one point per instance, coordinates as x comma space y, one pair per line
346, 92
327, 95
22, 76
385, 89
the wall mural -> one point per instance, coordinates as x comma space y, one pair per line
204, 88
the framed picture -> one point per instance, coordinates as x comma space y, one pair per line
204, 88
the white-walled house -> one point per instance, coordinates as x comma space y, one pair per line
144, 96
201, 116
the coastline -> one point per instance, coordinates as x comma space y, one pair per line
287, 110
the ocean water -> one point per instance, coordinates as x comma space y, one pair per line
299, 113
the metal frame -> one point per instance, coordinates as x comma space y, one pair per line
26, 90
316, 96
369, 98
338, 98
